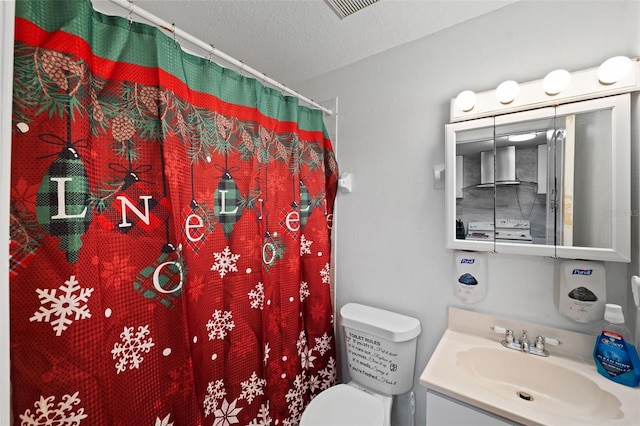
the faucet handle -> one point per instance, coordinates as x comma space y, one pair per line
508, 334
542, 341
552, 341
547, 341
498, 329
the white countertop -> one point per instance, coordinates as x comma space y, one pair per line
443, 374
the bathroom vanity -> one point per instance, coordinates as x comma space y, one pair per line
472, 378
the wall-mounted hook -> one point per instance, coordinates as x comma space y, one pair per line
345, 183
438, 176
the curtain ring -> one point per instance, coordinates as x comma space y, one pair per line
242, 68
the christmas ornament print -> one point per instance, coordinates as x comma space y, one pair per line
227, 207
62, 203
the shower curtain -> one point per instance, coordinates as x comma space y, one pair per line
170, 232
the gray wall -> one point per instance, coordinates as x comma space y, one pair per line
392, 111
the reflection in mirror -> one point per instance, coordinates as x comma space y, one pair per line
474, 184
586, 160
524, 182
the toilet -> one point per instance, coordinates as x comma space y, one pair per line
381, 349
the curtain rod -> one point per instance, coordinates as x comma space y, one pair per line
177, 32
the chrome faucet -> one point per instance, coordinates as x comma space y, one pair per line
522, 344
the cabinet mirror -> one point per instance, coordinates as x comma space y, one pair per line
552, 181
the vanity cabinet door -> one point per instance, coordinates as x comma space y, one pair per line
443, 411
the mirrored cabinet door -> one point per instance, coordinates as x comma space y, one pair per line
524, 186
469, 185
594, 179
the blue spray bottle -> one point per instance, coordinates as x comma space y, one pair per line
614, 354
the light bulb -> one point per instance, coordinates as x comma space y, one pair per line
556, 81
507, 91
466, 100
614, 69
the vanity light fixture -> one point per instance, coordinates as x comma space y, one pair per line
614, 69
521, 137
616, 75
466, 100
556, 81
507, 91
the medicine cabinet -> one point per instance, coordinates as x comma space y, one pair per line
552, 181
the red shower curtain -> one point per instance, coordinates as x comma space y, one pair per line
170, 233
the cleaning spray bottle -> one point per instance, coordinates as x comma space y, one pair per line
614, 354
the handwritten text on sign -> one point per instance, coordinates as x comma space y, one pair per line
370, 358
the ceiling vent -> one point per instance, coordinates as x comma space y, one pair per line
344, 8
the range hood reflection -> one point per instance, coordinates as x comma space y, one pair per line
498, 168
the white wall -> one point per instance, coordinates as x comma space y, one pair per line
6, 86
393, 108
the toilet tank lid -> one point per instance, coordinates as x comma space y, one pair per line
379, 322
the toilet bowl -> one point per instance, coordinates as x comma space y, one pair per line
380, 348
350, 405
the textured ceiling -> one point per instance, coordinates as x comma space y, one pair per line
294, 40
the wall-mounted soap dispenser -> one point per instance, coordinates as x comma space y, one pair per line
470, 272
580, 289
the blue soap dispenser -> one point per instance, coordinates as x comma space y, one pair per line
614, 354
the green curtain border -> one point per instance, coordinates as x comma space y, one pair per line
117, 39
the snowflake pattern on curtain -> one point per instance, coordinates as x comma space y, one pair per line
170, 233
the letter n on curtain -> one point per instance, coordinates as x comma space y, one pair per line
170, 233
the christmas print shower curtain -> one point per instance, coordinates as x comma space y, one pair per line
170, 233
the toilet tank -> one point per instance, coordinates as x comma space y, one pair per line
380, 346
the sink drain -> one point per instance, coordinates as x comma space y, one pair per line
525, 396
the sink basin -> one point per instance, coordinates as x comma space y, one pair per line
539, 384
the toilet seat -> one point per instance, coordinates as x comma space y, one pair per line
344, 405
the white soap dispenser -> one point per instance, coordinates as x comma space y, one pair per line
581, 291
470, 276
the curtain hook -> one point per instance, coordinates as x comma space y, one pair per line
283, 89
130, 12
211, 52
242, 68
173, 30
